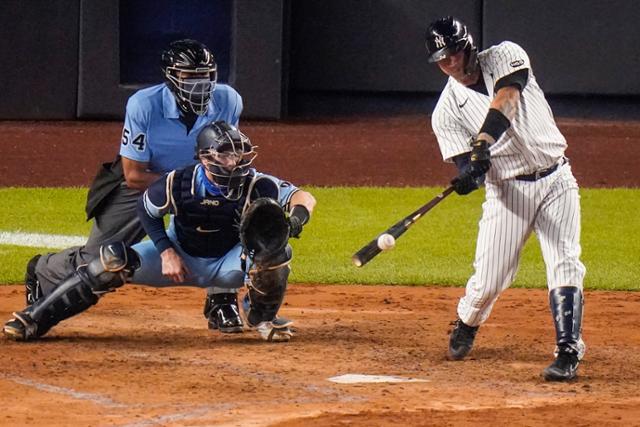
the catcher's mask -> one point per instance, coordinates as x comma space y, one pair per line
227, 154
190, 71
448, 36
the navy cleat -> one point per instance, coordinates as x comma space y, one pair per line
277, 330
461, 340
564, 367
222, 313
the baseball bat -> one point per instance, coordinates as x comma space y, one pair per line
371, 249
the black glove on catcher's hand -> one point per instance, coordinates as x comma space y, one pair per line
264, 229
299, 216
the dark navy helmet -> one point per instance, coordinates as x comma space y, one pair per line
227, 154
445, 37
190, 71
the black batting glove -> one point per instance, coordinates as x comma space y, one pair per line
298, 217
480, 158
464, 183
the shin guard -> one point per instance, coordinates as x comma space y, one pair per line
566, 308
267, 288
80, 290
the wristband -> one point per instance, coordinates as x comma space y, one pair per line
300, 212
495, 124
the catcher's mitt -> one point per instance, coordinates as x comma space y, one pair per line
264, 229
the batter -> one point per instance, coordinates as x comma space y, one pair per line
493, 121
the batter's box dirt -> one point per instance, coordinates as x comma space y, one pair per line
144, 356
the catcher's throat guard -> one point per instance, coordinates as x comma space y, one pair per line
264, 230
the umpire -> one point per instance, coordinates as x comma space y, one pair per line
159, 135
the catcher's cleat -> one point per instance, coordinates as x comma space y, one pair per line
31, 284
563, 368
278, 330
20, 328
461, 340
222, 313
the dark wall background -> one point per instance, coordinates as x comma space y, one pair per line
369, 45
575, 46
67, 59
39, 47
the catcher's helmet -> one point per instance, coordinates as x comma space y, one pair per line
227, 154
190, 71
448, 36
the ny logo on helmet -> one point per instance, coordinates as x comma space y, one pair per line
439, 41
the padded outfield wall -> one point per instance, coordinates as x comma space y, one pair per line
73, 59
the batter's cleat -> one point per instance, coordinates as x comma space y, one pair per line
461, 340
580, 347
564, 368
31, 284
222, 313
20, 328
278, 330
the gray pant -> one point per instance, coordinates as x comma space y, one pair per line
117, 221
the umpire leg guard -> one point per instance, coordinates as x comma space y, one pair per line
265, 296
77, 293
566, 307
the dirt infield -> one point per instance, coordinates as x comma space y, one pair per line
143, 357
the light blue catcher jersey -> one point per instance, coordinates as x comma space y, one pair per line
154, 134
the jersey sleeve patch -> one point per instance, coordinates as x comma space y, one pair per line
505, 59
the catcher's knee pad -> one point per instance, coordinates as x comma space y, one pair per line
566, 308
81, 289
268, 286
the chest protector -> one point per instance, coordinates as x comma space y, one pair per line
208, 227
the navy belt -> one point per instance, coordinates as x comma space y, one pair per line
541, 173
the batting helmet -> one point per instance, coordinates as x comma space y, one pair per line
227, 154
190, 71
448, 36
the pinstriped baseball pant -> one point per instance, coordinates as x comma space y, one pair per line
513, 209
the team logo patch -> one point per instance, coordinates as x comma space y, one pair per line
517, 63
439, 41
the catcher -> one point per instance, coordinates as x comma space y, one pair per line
228, 228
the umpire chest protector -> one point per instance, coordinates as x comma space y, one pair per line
207, 226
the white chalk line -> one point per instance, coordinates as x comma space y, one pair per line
91, 397
40, 240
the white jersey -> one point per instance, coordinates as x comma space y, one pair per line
532, 142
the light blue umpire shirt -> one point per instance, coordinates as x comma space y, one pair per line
153, 131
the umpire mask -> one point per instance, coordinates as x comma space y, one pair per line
193, 94
190, 71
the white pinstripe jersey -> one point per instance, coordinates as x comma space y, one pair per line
531, 143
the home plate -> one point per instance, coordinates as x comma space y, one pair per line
361, 378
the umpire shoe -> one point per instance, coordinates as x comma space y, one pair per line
564, 368
222, 313
20, 328
31, 284
461, 340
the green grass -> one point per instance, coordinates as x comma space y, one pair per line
437, 250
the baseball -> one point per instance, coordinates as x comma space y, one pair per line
386, 241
